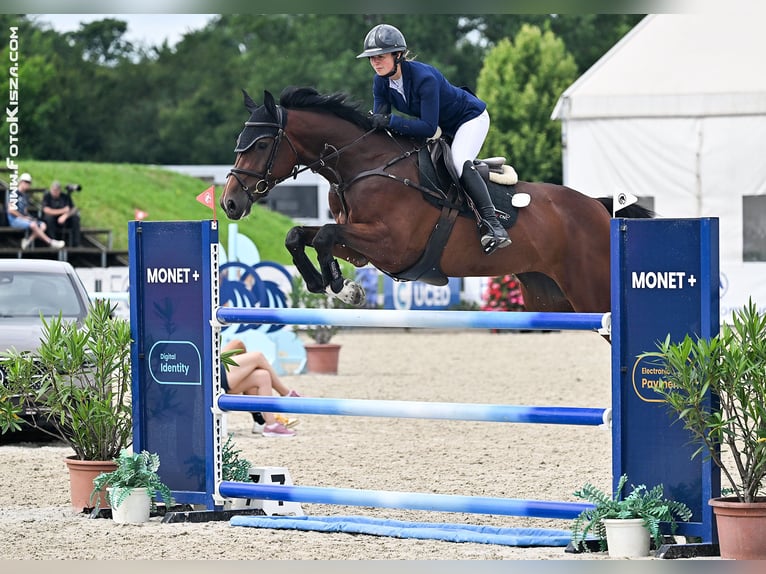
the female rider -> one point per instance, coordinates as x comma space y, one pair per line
422, 92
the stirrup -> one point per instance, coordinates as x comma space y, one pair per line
490, 243
490, 240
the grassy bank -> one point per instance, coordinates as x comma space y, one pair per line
112, 192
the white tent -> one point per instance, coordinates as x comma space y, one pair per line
676, 112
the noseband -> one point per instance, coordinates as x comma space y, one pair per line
266, 181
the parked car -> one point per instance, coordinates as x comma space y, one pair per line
29, 290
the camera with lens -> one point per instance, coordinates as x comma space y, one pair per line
73, 187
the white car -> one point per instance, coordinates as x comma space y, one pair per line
31, 289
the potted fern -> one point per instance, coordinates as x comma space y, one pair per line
133, 486
626, 525
730, 429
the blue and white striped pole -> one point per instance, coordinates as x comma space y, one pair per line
418, 410
417, 319
406, 500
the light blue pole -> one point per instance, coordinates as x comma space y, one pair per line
417, 410
417, 319
406, 500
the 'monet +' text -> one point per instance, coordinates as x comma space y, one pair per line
662, 280
170, 274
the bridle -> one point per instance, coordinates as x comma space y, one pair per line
266, 181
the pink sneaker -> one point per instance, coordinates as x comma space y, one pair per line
277, 430
292, 393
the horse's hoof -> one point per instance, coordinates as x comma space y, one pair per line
351, 294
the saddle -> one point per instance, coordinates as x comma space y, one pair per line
439, 176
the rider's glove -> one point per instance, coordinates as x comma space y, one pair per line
380, 120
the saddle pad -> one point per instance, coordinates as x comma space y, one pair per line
502, 195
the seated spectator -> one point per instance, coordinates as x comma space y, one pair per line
253, 375
60, 213
19, 217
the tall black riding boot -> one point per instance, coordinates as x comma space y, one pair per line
494, 236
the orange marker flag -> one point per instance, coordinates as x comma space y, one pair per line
207, 198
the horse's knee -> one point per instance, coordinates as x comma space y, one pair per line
324, 239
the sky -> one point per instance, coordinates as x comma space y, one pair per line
146, 29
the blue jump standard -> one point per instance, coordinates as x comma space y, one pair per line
416, 319
419, 410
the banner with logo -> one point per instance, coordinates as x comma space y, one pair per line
415, 295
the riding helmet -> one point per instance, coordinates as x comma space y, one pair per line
383, 39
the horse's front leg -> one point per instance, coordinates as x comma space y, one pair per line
326, 239
296, 241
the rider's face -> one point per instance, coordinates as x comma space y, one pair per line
382, 64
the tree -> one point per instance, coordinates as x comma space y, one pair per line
90, 95
521, 82
101, 41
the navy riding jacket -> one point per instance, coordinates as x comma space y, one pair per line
431, 100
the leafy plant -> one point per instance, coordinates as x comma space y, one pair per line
649, 505
134, 470
234, 467
79, 380
732, 366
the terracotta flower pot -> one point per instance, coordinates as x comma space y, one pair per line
741, 528
81, 475
322, 358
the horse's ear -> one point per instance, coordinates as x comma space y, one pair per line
249, 103
271, 105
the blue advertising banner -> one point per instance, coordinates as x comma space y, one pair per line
665, 281
409, 295
170, 275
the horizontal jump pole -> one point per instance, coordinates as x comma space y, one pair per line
405, 500
417, 318
415, 409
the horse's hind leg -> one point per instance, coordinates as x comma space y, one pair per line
541, 293
296, 241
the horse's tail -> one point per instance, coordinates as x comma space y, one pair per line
634, 211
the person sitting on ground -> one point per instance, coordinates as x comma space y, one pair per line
19, 217
60, 213
254, 375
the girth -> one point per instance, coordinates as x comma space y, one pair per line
436, 175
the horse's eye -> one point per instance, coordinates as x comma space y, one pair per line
263, 144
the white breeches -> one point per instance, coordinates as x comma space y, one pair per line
468, 140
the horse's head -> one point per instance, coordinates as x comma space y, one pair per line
259, 165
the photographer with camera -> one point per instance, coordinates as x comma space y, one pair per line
60, 213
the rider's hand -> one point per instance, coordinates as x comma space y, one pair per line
380, 120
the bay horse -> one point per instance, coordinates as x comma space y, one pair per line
386, 213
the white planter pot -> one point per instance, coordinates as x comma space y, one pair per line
134, 509
627, 538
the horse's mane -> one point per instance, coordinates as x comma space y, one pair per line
338, 104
